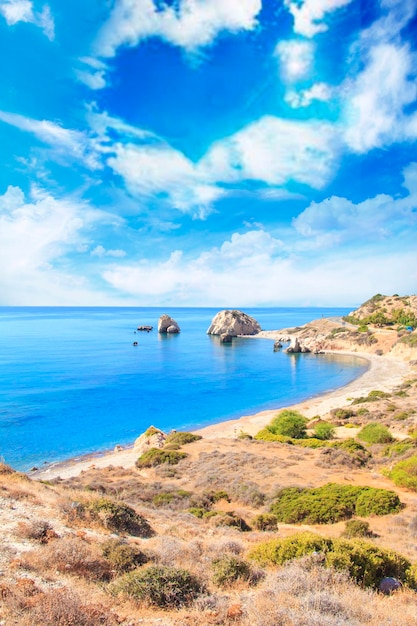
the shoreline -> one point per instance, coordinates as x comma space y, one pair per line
384, 373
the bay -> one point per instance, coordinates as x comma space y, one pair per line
72, 382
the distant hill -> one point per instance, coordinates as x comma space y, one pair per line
386, 311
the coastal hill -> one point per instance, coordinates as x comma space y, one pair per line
382, 325
303, 520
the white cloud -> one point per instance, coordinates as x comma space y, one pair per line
337, 220
274, 151
309, 15
375, 101
296, 59
190, 24
261, 272
72, 143
15, 11
303, 98
159, 170
92, 73
36, 237
100, 252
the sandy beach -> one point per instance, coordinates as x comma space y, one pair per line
384, 373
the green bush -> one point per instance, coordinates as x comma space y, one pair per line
364, 561
181, 438
324, 431
375, 433
404, 473
116, 516
332, 503
356, 528
166, 497
398, 448
122, 556
267, 435
155, 456
265, 521
164, 587
229, 569
372, 396
290, 424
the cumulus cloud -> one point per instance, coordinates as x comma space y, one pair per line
339, 220
189, 24
160, 171
15, 11
296, 59
319, 91
261, 271
376, 100
100, 251
310, 15
36, 235
275, 151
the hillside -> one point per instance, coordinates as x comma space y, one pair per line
203, 531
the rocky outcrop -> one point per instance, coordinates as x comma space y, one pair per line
296, 347
167, 325
151, 438
145, 328
225, 338
233, 323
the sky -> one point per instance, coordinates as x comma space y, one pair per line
207, 152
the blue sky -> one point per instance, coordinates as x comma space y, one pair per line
207, 152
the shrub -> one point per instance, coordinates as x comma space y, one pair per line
267, 435
229, 569
116, 516
164, 587
121, 556
182, 438
156, 456
399, 448
167, 497
231, 520
265, 521
342, 414
71, 556
216, 496
60, 607
375, 433
38, 530
372, 396
332, 503
404, 473
290, 424
324, 430
356, 528
373, 501
364, 561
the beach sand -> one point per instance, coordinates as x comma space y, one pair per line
384, 373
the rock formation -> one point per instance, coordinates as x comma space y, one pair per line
233, 323
296, 347
167, 325
225, 338
151, 438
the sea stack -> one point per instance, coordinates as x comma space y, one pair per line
233, 323
167, 325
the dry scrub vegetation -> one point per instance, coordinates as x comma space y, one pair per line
202, 541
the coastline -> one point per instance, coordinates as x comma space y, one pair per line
384, 373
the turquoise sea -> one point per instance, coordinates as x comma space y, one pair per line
72, 382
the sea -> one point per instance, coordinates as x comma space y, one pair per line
73, 382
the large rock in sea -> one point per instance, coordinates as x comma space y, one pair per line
233, 323
167, 325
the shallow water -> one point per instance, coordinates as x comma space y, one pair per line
72, 382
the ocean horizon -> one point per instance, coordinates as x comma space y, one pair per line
72, 382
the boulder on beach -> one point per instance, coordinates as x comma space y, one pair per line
167, 325
233, 323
